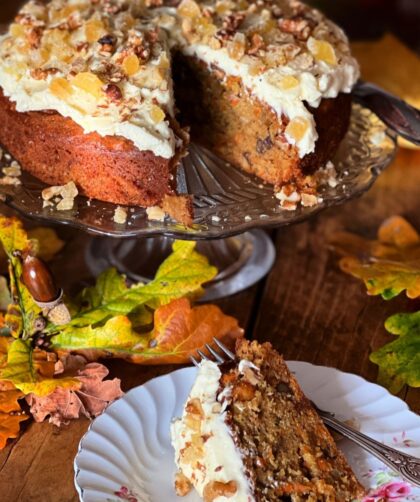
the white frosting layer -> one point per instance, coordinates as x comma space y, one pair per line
35, 95
222, 461
320, 81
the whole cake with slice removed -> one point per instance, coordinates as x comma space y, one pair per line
89, 91
249, 434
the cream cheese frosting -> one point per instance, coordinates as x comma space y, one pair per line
106, 64
214, 458
287, 58
96, 63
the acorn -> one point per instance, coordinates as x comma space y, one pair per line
37, 277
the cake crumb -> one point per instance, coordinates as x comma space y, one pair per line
120, 215
309, 200
10, 180
63, 196
155, 213
14, 170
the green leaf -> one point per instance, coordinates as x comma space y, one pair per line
32, 372
399, 361
179, 330
116, 335
23, 312
181, 275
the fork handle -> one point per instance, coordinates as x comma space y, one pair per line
406, 465
396, 113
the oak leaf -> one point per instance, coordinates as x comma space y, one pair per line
182, 274
179, 330
399, 361
90, 400
388, 265
32, 371
11, 414
23, 311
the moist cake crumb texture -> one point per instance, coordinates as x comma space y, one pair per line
281, 448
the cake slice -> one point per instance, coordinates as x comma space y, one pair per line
248, 434
87, 96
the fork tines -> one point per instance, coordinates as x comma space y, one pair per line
219, 359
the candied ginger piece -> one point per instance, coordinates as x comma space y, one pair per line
189, 8
94, 30
61, 88
89, 83
297, 128
157, 114
287, 83
236, 48
131, 65
322, 51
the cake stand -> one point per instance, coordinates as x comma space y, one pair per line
231, 211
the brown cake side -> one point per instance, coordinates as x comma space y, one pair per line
109, 168
247, 132
288, 452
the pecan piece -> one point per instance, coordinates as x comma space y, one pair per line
113, 92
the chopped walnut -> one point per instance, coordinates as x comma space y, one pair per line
243, 391
64, 196
114, 93
216, 489
155, 213
182, 485
120, 215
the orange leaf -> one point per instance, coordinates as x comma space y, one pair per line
388, 265
10, 413
181, 329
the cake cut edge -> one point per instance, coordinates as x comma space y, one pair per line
293, 456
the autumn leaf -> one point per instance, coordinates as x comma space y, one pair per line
90, 400
32, 371
388, 265
182, 274
179, 330
11, 414
23, 312
45, 243
399, 361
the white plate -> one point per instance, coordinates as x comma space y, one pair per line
127, 454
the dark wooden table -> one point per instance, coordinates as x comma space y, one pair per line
306, 307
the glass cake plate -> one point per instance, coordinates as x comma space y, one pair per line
231, 210
226, 201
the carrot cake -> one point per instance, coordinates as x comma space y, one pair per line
249, 434
88, 91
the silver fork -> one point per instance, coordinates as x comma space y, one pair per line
407, 466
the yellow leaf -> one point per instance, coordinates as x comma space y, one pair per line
388, 265
32, 371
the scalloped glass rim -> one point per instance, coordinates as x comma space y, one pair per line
226, 200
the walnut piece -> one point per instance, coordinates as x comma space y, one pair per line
182, 485
216, 489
